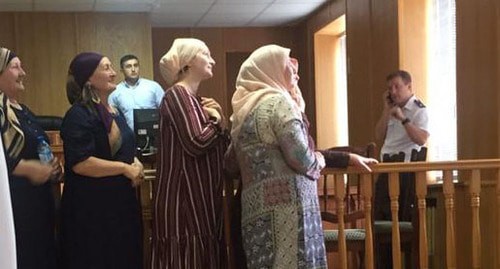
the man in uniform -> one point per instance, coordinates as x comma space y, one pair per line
403, 128
403, 123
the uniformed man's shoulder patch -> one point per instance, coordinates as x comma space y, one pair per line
419, 103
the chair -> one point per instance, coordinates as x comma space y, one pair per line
407, 215
49, 123
355, 235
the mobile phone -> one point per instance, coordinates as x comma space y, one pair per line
389, 99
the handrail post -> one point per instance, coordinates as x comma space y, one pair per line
498, 219
421, 192
474, 190
339, 199
449, 191
396, 242
367, 188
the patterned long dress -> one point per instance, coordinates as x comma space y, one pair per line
187, 210
281, 222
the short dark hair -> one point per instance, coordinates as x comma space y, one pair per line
404, 75
126, 58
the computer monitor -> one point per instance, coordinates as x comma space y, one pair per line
146, 129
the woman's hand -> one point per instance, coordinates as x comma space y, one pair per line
211, 103
37, 172
214, 113
57, 170
137, 181
214, 109
321, 159
361, 162
135, 173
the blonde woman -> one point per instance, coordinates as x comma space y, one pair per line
187, 215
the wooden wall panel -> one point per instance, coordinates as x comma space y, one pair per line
477, 79
7, 30
46, 42
478, 108
362, 117
45, 45
372, 51
115, 35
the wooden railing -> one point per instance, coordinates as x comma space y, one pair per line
470, 174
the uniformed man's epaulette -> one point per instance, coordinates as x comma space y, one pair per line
419, 103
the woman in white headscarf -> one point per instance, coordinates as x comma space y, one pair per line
187, 210
281, 222
29, 178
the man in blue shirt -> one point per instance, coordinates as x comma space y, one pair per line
134, 92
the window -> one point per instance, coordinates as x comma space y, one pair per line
340, 100
331, 85
441, 88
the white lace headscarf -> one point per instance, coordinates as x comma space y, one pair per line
261, 76
183, 50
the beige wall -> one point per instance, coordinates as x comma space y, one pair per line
46, 43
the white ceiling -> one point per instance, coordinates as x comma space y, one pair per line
185, 13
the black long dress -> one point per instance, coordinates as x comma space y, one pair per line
32, 205
101, 223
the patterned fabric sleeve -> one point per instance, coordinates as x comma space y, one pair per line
11, 162
293, 139
76, 132
196, 132
16, 141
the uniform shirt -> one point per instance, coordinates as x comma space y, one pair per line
144, 94
396, 138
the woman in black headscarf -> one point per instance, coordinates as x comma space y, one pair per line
101, 222
30, 187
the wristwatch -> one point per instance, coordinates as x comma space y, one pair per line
405, 121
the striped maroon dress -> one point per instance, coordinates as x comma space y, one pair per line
187, 210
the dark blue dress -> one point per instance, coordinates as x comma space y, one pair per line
101, 222
33, 206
